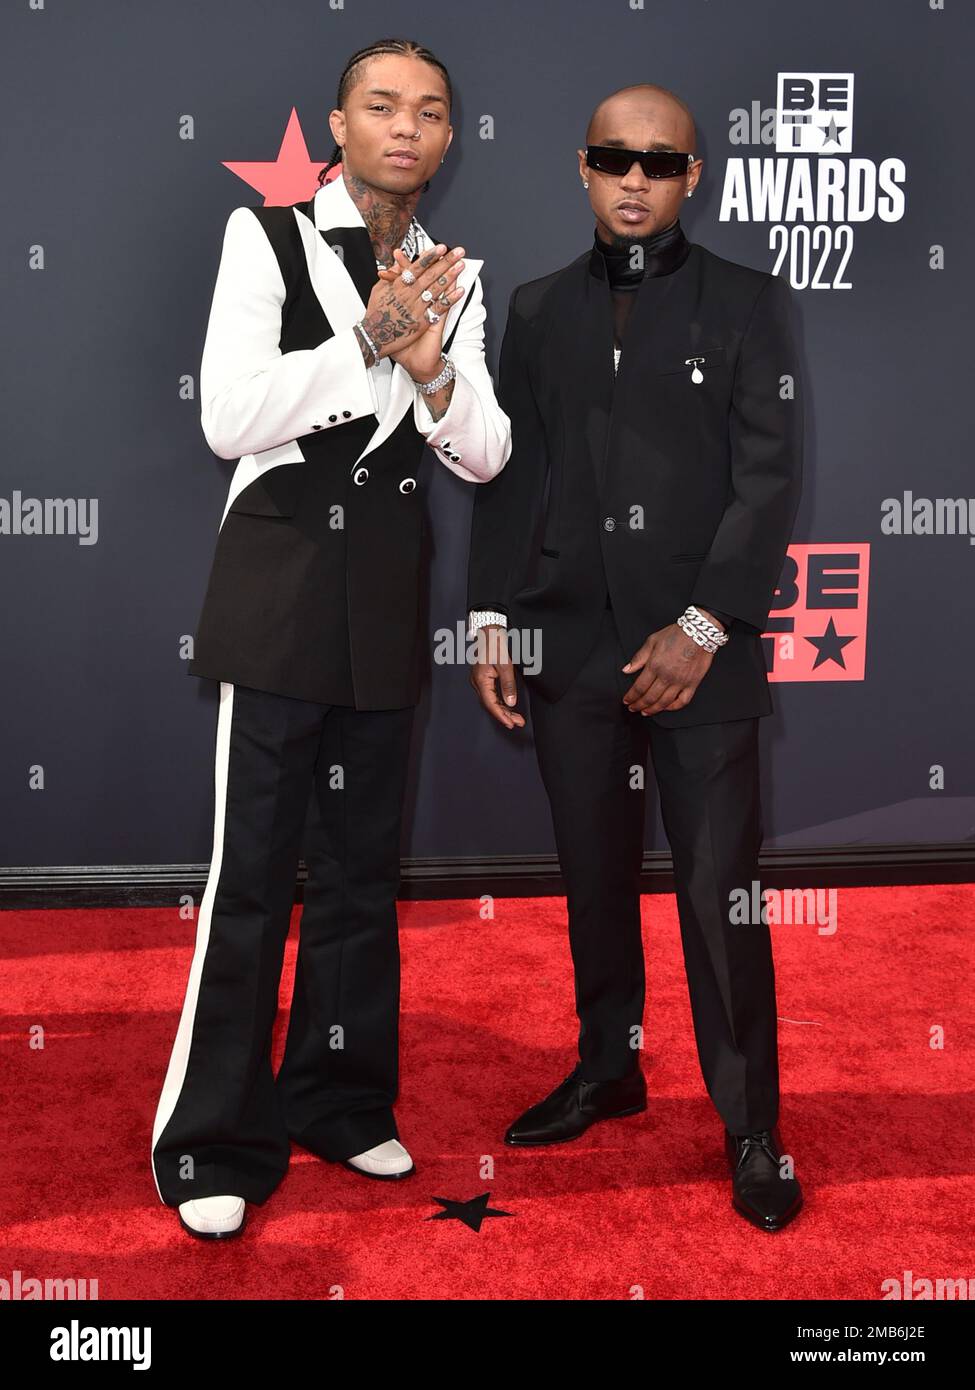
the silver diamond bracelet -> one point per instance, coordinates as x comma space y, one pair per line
430, 388
701, 630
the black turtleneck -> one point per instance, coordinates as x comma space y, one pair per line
663, 253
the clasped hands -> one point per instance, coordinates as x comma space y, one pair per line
396, 318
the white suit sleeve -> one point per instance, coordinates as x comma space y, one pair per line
473, 436
252, 396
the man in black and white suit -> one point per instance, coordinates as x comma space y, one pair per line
639, 531
341, 340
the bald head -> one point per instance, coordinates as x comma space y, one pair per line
636, 205
664, 120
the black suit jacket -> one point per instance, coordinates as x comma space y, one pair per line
651, 487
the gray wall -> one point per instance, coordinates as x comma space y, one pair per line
98, 342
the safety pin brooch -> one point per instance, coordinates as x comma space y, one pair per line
697, 376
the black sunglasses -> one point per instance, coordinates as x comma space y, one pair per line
656, 164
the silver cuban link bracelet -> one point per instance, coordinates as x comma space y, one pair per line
701, 630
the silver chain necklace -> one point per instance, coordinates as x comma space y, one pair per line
408, 244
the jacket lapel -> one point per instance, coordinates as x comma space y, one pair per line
342, 270
354, 249
596, 352
661, 322
575, 362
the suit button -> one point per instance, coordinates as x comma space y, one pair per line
609, 524
360, 475
445, 443
332, 419
316, 427
346, 414
454, 458
407, 485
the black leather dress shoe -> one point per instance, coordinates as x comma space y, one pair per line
758, 1191
575, 1105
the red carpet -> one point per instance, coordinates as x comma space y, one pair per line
880, 1122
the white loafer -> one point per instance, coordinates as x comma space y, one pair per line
213, 1218
386, 1160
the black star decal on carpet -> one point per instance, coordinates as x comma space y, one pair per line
830, 646
472, 1212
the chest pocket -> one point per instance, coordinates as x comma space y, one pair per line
692, 362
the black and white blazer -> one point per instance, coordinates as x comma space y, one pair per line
315, 583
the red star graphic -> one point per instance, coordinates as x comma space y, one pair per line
292, 177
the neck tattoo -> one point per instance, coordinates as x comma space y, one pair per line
386, 215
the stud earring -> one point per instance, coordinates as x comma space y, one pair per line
585, 183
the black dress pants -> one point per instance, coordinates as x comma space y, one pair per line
224, 1122
592, 752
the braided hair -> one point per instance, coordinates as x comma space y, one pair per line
408, 48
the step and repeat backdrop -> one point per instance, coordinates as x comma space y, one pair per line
834, 139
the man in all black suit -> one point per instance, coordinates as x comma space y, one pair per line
341, 340
656, 447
